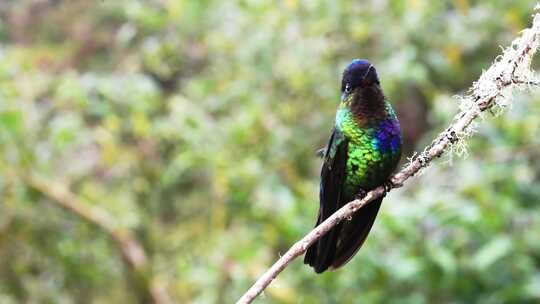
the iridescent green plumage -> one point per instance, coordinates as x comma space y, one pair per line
362, 152
367, 164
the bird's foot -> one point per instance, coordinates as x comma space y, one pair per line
361, 194
388, 185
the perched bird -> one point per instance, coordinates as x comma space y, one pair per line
363, 150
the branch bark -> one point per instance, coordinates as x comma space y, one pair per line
133, 254
509, 71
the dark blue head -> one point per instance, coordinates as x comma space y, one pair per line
359, 74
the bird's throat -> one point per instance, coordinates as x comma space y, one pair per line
367, 104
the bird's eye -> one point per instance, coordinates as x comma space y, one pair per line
347, 88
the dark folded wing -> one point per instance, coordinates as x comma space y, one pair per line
321, 254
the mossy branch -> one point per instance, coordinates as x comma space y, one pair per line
509, 72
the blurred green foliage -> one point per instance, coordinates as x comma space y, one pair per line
194, 123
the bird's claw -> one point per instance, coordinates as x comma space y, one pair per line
361, 194
388, 185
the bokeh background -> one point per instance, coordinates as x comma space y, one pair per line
193, 125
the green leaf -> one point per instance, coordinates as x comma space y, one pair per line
491, 253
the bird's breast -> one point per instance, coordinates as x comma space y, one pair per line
373, 153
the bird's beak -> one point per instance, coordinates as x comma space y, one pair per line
364, 81
367, 72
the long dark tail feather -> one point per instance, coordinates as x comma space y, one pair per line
311, 253
340, 244
354, 233
320, 255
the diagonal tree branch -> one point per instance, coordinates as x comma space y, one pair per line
133, 254
510, 71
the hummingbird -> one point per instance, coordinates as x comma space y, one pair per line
362, 152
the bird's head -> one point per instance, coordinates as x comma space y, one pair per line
358, 77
